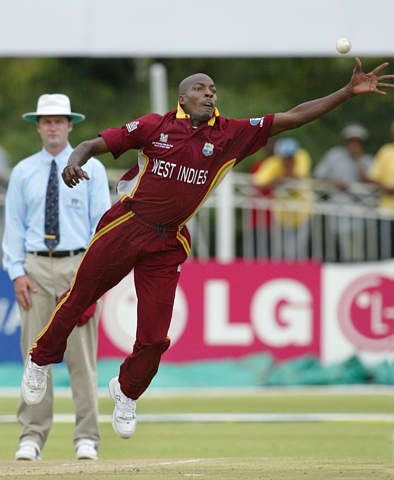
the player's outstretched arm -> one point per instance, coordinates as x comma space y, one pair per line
73, 173
360, 83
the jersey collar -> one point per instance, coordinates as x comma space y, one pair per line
180, 113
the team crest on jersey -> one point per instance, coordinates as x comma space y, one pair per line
207, 149
164, 137
131, 126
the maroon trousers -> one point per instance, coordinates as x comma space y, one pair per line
122, 242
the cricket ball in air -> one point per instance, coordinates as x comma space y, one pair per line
343, 45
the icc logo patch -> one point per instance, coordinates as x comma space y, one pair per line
254, 121
207, 149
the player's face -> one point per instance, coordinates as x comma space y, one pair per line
54, 130
199, 100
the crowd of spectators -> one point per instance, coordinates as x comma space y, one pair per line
346, 176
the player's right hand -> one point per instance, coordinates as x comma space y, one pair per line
23, 286
73, 174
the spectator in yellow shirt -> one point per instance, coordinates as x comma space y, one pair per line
274, 178
381, 173
288, 161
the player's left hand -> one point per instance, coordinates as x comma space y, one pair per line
371, 82
73, 174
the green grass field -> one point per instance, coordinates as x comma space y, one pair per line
226, 451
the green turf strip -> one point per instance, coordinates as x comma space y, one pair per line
231, 451
288, 451
372, 441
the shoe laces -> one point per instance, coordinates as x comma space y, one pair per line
36, 375
125, 407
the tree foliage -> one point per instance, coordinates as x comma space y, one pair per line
113, 91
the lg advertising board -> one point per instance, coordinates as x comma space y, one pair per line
230, 310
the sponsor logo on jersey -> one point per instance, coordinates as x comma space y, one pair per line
207, 149
131, 126
165, 145
162, 143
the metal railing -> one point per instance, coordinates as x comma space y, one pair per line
302, 220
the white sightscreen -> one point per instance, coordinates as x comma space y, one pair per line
130, 28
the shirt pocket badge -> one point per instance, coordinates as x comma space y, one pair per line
75, 203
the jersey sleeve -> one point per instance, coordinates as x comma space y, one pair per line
133, 135
249, 135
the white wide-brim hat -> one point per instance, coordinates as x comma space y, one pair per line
53, 104
354, 130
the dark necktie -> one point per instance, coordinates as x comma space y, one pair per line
52, 236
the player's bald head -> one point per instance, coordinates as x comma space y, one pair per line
197, 97
187, 82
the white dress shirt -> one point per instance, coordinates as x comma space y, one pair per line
80, 208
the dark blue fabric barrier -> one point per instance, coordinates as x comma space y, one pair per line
9, 321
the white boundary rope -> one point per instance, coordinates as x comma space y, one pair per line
233, 418
234, 392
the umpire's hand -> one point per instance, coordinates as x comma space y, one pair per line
23, 288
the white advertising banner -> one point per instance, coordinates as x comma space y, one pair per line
186, 28
357, 313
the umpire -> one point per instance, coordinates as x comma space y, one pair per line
47, 228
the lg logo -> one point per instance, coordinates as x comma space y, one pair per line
279, 313
366, 313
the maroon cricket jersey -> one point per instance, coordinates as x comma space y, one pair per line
179, 165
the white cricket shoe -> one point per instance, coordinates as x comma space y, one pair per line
124, 419
34, 382
85, 449
28, 450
